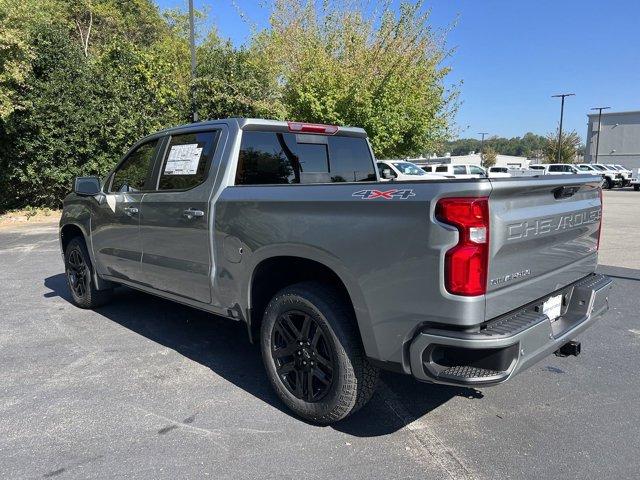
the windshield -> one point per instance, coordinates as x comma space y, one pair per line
620, 167
599, 167
617, 167
407, 168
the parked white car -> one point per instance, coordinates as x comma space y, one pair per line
499, 172
560, 169
402, 170
612, 177
459, 171
635, 179
626, 174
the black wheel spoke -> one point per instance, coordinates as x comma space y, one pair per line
316, 336
285, 334
287, 351
298, 391
292, 328
309, 383
286, 368
306, 327
324, 362
320, 375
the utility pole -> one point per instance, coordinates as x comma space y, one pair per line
561, 95
482, 148
192, 41
599, 124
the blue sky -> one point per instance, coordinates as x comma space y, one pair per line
512, 56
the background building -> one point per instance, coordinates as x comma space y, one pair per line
619, 138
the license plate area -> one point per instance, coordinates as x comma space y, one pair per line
552, 307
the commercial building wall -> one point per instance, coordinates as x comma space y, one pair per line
619, 138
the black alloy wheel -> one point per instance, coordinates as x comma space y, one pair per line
304, 359
78, 273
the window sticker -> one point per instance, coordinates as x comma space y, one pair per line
183, 160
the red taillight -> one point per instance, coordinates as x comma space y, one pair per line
601, 212
312, 128
465, 265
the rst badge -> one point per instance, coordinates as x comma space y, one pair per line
394, 193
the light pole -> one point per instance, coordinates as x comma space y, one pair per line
599, 123
192, 42
482, 147
561, 95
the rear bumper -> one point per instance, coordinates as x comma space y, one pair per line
510, 343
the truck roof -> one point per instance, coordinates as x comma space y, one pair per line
258, 124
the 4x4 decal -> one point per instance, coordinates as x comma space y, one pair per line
402, 194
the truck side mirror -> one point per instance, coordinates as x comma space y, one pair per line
386, 174
86, 186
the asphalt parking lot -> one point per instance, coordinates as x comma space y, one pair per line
144, 388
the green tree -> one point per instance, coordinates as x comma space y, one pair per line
570, 143
229, 83
338, 64
489, 156
78, 105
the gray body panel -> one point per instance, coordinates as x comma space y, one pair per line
389, 253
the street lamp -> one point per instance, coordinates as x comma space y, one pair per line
482, 147
192, 42
599, 123
561, 95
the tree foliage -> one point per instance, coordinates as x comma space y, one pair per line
569, 148
489, 157
339, 64
529, 145
92, 81
82, 80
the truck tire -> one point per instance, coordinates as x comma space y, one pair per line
636, 187
608, 184
313, 354
79, 273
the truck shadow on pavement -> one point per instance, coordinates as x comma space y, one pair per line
221, 345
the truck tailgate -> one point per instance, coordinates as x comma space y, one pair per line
543, 236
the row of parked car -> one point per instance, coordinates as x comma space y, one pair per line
612, 175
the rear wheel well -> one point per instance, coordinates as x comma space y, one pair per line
274, 274
68, 233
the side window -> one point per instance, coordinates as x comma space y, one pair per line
459, 170
477, 170
427, 168
274, 158
187, 160
442, 168
350, 160
555, 168
133, 173
385, 166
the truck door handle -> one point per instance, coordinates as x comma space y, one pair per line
131, 211
191, 213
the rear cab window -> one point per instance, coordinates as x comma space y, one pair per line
268, 158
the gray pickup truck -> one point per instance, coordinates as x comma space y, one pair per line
287, 228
